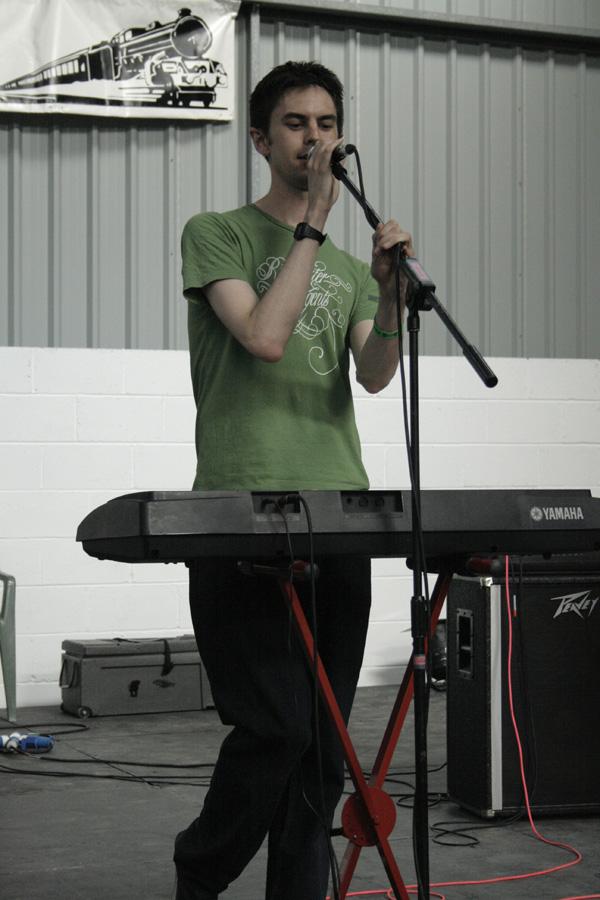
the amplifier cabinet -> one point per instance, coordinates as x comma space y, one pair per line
556, 690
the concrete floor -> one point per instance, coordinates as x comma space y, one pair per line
66, 835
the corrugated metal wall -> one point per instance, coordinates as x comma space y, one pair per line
488, 154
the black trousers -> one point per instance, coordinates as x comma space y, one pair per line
266, 779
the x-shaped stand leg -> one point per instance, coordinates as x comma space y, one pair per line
369, 815
392, 733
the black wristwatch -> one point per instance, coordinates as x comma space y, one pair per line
304, 230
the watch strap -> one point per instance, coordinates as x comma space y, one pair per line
304, 230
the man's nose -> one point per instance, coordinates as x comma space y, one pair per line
312, 133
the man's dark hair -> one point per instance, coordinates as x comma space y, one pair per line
288, 77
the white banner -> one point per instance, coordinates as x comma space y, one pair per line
135, 58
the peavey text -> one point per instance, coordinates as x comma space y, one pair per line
582, 604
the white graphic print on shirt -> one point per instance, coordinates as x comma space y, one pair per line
323, 310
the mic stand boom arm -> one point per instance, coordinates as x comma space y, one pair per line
422, 288
421, 296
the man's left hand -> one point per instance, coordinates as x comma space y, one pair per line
385, 238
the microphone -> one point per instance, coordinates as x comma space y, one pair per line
340, 153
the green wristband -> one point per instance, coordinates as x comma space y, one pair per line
382, 333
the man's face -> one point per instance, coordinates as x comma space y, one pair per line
302, 117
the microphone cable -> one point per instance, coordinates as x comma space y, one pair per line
322, 816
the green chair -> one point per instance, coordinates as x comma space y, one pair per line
7, 644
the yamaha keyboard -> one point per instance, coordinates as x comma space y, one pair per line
177, 526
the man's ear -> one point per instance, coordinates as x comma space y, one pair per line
261, 142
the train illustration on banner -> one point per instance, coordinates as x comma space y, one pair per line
158, 64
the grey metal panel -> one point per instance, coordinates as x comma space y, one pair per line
526, 23
487, 154
590, 218
537, 203
502, 212
32, 234
468, 196
478, 150
7, 250
67, 236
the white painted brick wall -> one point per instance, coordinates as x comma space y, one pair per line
81, 426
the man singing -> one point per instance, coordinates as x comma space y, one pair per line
275, 309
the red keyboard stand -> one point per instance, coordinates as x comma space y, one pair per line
369, 815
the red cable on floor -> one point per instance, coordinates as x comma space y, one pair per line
388, 893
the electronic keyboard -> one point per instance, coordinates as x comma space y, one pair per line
177, 526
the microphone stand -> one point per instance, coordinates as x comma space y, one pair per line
421, 296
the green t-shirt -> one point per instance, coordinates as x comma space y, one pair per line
273, 426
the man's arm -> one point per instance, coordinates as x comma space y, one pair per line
376, 357
264, 325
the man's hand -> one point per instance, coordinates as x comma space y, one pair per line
323, 187
376, 356
385, 238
